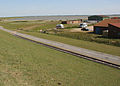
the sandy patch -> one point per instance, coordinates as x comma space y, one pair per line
79, 29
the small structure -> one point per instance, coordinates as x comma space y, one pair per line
59, 26
97, 17
114, 30
103, 25
71, 22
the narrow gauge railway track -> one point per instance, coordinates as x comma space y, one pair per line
73, 53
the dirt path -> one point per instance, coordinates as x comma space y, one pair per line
31, 27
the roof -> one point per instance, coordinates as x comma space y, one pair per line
103, 15
100, 16
115, 24
60, 25
105, 22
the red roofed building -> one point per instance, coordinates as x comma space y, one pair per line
71, 22
103, 25
114, 30
115, 18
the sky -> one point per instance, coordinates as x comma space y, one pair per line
58, 7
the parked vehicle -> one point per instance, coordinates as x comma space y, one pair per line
60, 26
85, 29
83, 25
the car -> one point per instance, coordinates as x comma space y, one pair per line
85, 29
83, 25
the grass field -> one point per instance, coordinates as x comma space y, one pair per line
84, 40
90, 37
23, 63
114, 50
6, 18
29, 25
34, 25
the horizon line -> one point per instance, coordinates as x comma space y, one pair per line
62, 15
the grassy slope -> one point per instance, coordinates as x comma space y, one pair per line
80, 43
37, 25
90, 37
23, 63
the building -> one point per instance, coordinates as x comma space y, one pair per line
115, 18
71, 22
114, 30
103, 25
97, 18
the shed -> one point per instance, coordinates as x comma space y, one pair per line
97, 17
103, 25
114, 30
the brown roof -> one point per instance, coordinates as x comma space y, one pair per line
105, 22
115, 24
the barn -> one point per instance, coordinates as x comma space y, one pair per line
103, 25
97, 17
114, 30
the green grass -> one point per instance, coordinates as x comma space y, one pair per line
84, 40
29, 25
71, 26
39, 24
6, 18
114, 50
90, 37
23, 63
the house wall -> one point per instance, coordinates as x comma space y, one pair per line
64, 22
71, 22
99, 30
105, 18
113, 32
